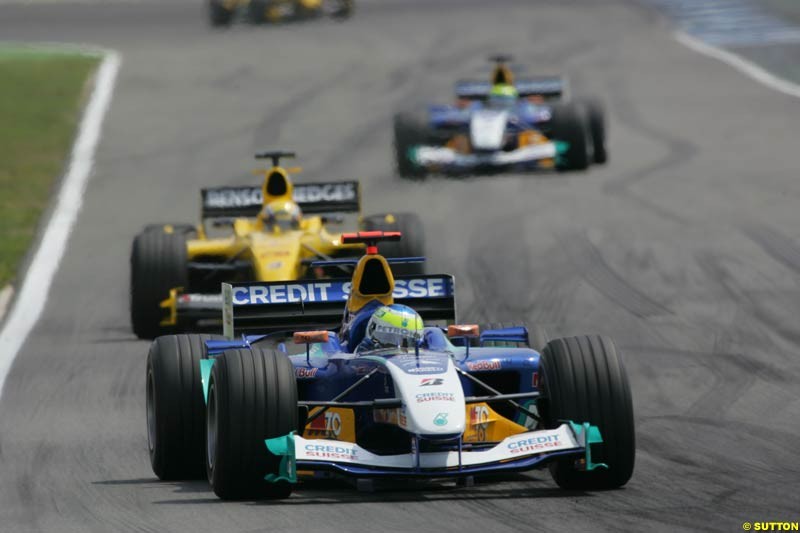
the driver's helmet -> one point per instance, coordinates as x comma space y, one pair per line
394, 326
282, 214
502, 95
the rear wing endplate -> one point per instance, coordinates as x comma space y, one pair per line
313, 198
282, 305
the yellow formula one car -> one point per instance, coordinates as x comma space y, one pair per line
223, 12
271, 232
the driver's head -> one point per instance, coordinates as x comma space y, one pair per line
503, 95
282, 214
394, 326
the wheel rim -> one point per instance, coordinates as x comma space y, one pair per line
211, 426
151, 412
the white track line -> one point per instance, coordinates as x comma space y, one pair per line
742, 65
31, 298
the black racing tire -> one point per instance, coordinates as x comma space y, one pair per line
218, 14
596, 116
175, 406
409, 131
585, 381
159, 262
252, 396
537, 335
411, 245
569, 125
344, 10
256, 11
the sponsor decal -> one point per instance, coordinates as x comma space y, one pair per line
248, 196
281, 294
233, 197
484, 365
200, 298
278, 293
329, 425
440, 419
431, 382
435, 397
325, 192
422, 288
329, 451
479, 420
533, 444
304, 372
424, 370
411, 364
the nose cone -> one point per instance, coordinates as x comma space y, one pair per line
487, 129
431, 392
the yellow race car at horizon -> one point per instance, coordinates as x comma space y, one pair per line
269, 232
224, 12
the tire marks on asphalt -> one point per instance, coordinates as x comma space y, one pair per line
591, 265
679, 151
776, 245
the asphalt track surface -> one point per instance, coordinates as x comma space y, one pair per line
684, 248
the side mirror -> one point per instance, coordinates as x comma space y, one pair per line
463, 330
309, 337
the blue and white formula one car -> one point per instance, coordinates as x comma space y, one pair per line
378, 394
502, 125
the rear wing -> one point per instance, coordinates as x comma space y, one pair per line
313, 198
548, 87
282, 305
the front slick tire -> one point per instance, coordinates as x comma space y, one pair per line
159, 263
252, 396
218, 14
586, 382
570, 126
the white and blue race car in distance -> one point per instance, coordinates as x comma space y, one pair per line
502, 125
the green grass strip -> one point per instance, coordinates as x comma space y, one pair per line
42, 92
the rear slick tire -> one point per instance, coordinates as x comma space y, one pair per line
175, 407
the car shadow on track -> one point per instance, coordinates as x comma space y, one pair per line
341, 491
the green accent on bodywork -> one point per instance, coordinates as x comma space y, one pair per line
284, 447
588, 435
411, 154
521, 418
205, 374
315, 350
562, 147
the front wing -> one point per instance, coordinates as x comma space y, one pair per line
524, 451
445, 159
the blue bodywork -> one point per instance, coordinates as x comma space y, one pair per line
326, 369
524, 115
